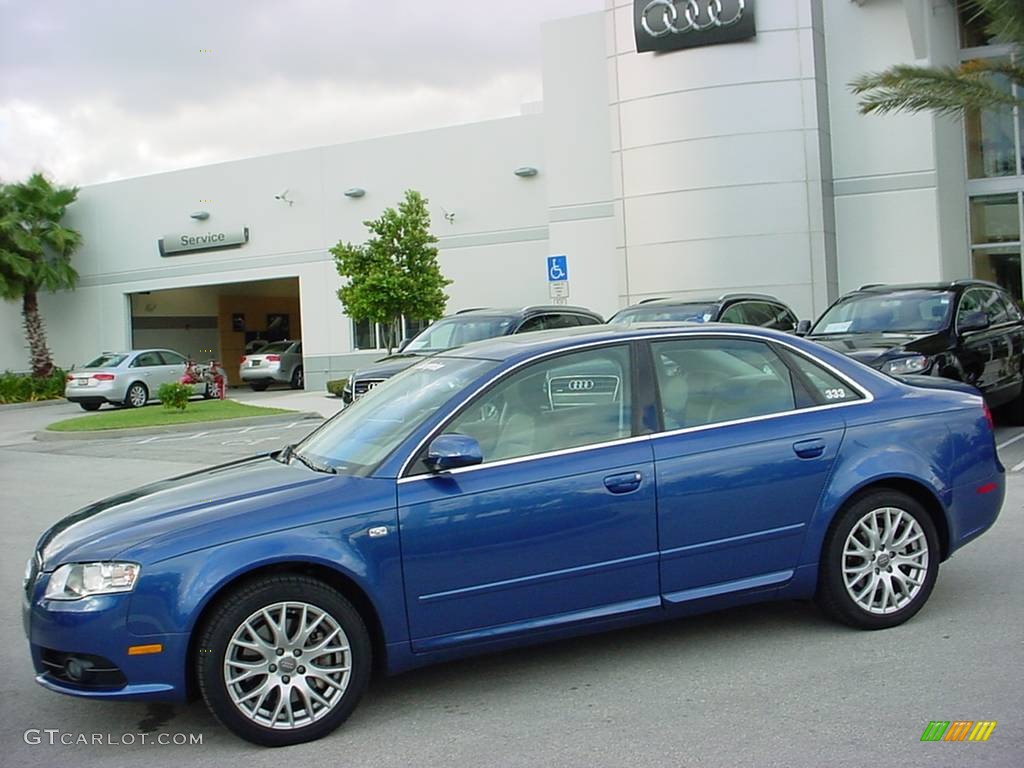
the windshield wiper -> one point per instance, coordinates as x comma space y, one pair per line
314, 465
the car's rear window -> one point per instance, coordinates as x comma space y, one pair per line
277, 346
106, 360
676, 313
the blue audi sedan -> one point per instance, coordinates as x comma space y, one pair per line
508, 492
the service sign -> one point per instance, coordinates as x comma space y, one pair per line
668, 25
172, 245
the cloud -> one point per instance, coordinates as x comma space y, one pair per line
102, 90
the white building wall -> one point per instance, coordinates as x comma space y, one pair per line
718, 161
894, 223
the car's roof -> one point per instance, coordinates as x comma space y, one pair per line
528, 344
720, 299
947, 285
521, 311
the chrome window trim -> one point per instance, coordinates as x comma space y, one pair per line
866, 397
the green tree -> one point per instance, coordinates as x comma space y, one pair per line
35, 254
978, 84
395, 272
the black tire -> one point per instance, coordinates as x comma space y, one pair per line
259, 386
833, 597
233, 610
90, 406
136, 402
1013, 411
298, 378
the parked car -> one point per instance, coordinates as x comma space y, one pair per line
126, 378
743, 308
279, 361
464, 327
967, 330
518, 490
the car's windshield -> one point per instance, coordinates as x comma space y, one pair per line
277, 346
363, 434
911, 311
677, 313
456, 331
107, 360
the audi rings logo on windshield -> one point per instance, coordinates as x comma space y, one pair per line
663, 25
581, 385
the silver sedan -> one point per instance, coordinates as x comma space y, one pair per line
126, 378
280, 361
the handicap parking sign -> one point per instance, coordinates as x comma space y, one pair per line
558, 268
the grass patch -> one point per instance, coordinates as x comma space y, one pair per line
157, 416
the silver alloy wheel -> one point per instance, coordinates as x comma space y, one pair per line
137, 395
885, 560
287, 665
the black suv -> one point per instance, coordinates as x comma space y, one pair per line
968, 330
743, 308
462, 328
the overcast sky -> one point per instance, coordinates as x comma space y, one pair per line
95, 90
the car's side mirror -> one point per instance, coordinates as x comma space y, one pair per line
973, 321
803, 328
449, 452
405, 343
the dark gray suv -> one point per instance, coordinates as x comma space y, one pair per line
462, 328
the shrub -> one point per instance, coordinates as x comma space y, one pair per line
336, 385
174, 395
24, 388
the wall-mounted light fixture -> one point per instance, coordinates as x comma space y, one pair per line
525, 171
200, 215
283, 197
355, 192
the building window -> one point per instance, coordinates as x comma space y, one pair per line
995, 170
367, 335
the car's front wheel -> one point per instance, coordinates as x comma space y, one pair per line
90, 406
298, 378
283, 660
259, 386
880, 561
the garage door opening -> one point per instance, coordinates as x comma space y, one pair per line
220, 322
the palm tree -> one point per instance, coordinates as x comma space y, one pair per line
974, 85
35, 254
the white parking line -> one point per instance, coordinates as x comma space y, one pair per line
1018, 467
1011, 441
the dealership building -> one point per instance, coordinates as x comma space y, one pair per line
683, 149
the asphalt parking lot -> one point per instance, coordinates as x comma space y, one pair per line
772, 685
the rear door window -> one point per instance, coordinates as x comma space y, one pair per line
709, 381
147, 360
172, 358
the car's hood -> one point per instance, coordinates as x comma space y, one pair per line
874, 348
199, 501
387, 367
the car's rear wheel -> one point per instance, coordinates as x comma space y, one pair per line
136, 396
298, 378
259, 386
90, 406
880, 561
283, 660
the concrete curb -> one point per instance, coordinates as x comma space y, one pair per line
207, 426
32, 404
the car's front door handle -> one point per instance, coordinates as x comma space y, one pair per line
809, 449
624, 483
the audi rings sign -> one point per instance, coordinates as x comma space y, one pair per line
668, 25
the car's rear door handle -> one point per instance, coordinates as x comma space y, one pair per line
809, 449
624, 483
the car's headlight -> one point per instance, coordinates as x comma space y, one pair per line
903, 366
78, 580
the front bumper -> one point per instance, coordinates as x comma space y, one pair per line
94, 631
